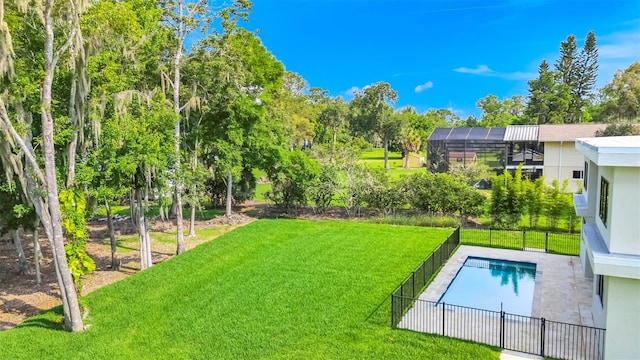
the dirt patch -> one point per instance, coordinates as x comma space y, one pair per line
21, 297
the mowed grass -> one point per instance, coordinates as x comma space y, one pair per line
273, 289
374, 159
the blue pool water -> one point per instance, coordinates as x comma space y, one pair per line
488, 283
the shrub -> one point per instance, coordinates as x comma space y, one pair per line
291, 177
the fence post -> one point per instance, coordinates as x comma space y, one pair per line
490, 237
524, 239
393, 311
443, 321
413, 284
546, 241
501, 329
542, 326
424, 272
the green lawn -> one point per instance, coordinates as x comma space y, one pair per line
261, 189
275, 289
128, 242
374, 158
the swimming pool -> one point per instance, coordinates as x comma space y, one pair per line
491, 284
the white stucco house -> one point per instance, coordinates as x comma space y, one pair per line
562, 161
610, 243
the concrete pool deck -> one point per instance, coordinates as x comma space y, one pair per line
562, 295
562, 292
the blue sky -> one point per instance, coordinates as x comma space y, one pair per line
440, 54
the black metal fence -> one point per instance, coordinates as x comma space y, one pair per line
525, 240
508, 331
413, 285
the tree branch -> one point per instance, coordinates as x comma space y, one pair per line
70, 37
7, 128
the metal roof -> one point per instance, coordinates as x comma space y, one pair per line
521, 133
465, 133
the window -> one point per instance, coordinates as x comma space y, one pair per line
600, 288
586, 174
459, 159
604, 200
578, 174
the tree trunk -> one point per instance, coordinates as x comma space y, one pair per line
147, 235
37, 254
335, 136
192, 223
386, 153
147, 241
179, 223
71, 307
71, 168
163, 217
194, 169
145, 249
406, 161
115, 262
132, 208
229, 192
22, 259
176, 107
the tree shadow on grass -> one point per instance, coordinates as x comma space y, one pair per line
52, 319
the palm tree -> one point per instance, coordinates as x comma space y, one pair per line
409, 142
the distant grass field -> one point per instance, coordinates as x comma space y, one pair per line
273, 289
129, 242
374, 158
201, 214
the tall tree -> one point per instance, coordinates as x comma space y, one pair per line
47, 206
334, 117
578, 70
184, 17
409, 142
549, 98
243, 79
566, 63
587, 70
374, 108
622, 95
495, 113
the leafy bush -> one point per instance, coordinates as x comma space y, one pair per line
443, 193
328, 184
291, 177
244, 187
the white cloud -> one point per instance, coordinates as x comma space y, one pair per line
458, 112
480, 70
423, 87
484, 70
620, 45
616, 51
352, 91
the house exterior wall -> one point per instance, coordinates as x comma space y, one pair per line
622, 228
560, 160
622, 318
610, 249
598, 306
625, 215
